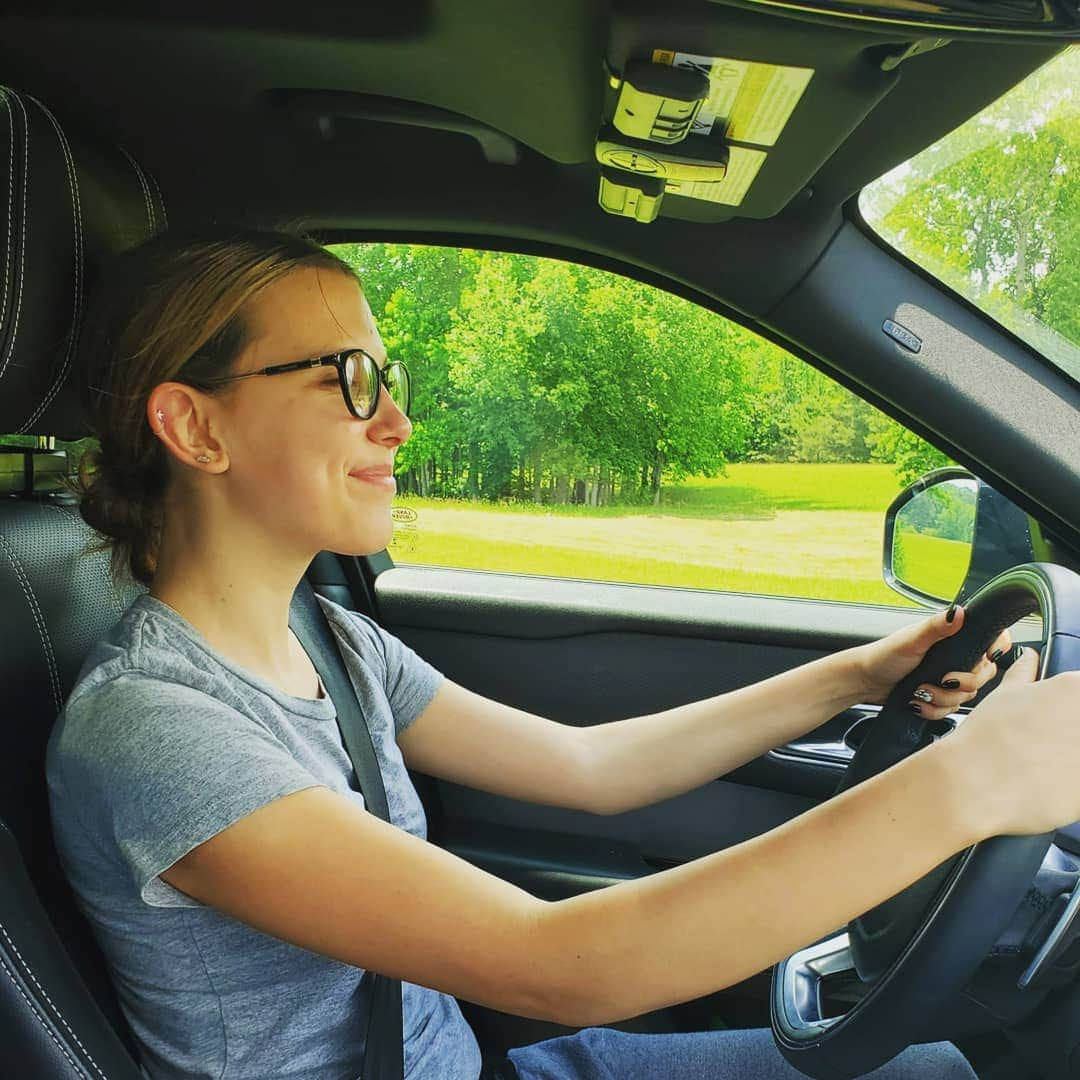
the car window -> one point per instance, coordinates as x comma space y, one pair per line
993, 210
571, 422
12, 473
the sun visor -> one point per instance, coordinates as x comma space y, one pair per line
738, 130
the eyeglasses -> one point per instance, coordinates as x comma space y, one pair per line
359, 376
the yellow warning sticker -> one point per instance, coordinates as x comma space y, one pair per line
747, 102
742, 167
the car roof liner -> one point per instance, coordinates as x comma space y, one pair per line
208, 119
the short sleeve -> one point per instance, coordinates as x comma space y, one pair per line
160, 767
411, 682
408, 680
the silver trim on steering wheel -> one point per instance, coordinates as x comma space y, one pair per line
801, 996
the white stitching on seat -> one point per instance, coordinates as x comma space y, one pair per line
41, 1020
10, 205
39, 619
150, 223
161, 199
22, 229
77, 226
60, 1015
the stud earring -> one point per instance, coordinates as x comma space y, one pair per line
202, 458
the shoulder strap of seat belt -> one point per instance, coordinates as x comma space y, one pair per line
383, 1051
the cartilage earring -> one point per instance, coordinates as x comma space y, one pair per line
161, 419
202, 459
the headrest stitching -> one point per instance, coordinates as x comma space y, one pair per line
39, 620
10, 206
73, 184
22, 232
150, 224
160, 199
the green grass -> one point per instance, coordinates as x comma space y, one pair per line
789, 530
762, 490
747, 491
931, 563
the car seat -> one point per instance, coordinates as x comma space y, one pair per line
64, 207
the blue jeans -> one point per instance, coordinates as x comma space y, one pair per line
605, 1054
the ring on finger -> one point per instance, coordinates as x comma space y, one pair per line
924, 695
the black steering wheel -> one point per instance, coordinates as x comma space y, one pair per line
915, 953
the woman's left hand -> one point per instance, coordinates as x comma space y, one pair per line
884, 663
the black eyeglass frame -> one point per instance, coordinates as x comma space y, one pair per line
338, 361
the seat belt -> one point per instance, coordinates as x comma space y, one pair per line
383, 1051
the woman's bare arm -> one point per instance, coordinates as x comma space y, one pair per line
617, 766
315, 869
620, 765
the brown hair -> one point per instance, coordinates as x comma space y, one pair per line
170, 309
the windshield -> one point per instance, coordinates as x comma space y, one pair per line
993, 210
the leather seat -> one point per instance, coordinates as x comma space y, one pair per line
65, 206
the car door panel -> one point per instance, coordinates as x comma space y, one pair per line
586, 653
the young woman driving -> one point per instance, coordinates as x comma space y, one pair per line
248, 418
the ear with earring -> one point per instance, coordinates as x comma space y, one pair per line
202, 459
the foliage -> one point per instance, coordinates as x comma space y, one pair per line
542, 381
539, 380
912, 455
946, 511
994, 209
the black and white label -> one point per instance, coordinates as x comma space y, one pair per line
902, 334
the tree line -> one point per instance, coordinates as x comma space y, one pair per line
545, 381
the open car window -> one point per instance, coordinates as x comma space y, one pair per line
993, 210
570, 422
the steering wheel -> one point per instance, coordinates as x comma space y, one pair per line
916, 952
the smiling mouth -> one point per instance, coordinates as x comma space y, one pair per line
379, 477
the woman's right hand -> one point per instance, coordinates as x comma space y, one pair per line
1020, 751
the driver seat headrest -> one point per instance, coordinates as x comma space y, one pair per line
68, 206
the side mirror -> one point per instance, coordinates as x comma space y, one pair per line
948, 534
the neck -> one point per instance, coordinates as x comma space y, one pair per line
235, 590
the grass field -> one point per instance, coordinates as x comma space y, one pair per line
790, 530
930, 563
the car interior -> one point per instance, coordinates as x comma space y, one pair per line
494, 126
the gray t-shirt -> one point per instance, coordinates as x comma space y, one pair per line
163, 743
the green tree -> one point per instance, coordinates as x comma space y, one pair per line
413, 291
994, 208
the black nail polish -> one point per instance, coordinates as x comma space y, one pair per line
951, 613
1011, 657
951, 684
915, 708
996, 655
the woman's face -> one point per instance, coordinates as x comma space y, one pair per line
299, 461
